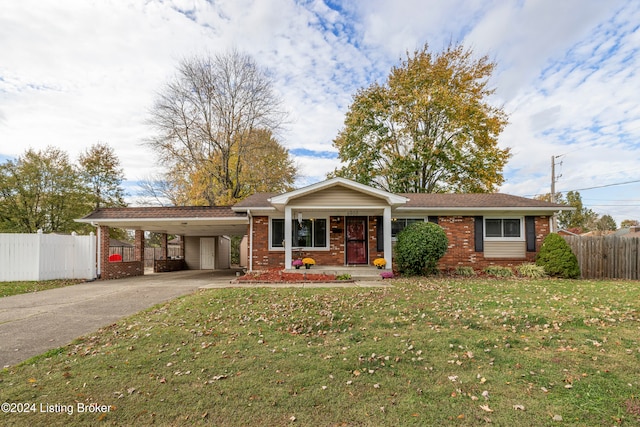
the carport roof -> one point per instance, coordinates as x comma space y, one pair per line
164, 212
178, 220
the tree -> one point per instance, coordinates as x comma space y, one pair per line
606, 223
41, 190
429, 128
629, 223
581, 217
212, 120
101, 172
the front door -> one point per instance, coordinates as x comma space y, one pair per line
207, 253
356, 240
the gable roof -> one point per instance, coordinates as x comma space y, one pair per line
390, 198
442, 202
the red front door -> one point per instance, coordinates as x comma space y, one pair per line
356, 240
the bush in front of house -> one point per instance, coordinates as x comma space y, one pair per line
557, 258
498, 271
419, 248
531, 271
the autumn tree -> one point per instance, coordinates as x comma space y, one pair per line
429, 128
41, 190
581, 218
212, 120
629, 223
102, 174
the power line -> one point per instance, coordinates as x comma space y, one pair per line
603, 186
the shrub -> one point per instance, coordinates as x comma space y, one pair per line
531, 270
498, 271
557, 258
419, 248
465, 270
345, 276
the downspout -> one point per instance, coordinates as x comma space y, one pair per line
99, 250
250, 239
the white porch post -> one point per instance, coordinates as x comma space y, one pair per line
386, 229
287, 237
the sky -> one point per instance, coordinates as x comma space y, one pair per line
77, 72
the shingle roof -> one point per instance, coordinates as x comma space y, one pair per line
437, 200
164, 212
470, 200
257, 200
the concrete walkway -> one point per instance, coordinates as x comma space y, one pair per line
31, 324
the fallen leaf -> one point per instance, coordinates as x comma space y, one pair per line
557, 418
518, 407
486, 408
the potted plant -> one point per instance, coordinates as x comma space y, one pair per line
308, 262
297, 263
380, 262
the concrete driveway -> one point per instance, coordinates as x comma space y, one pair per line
31, 324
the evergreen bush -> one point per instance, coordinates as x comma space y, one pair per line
557, 258
419, 248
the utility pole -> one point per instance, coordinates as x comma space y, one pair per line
554, 178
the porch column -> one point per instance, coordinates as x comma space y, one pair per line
386, 230
164, 246
139, 246
287, 237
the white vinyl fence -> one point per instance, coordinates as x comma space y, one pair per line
47, 257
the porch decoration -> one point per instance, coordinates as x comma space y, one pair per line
297, 263
308, 262
379, 262
386, 275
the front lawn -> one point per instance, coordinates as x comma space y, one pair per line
15, 288
425, 352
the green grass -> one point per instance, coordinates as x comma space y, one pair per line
15, 288
425, 352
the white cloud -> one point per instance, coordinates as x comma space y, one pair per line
77, 72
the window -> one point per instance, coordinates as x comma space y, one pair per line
277, 233
503, 228
399, 224
311, 233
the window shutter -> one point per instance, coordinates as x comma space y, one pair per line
479, 234
530, 232
379, 234
433, 219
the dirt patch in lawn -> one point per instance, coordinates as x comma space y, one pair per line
279, 276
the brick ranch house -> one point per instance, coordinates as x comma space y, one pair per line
338, 222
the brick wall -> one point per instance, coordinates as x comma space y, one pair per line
117, 270
459, 231
461, 250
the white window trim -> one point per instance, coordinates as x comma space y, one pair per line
306, 248
522, 237
395, 218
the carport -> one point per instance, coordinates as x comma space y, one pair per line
205, 233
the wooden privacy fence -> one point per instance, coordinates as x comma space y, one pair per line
607, 257
47, 257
